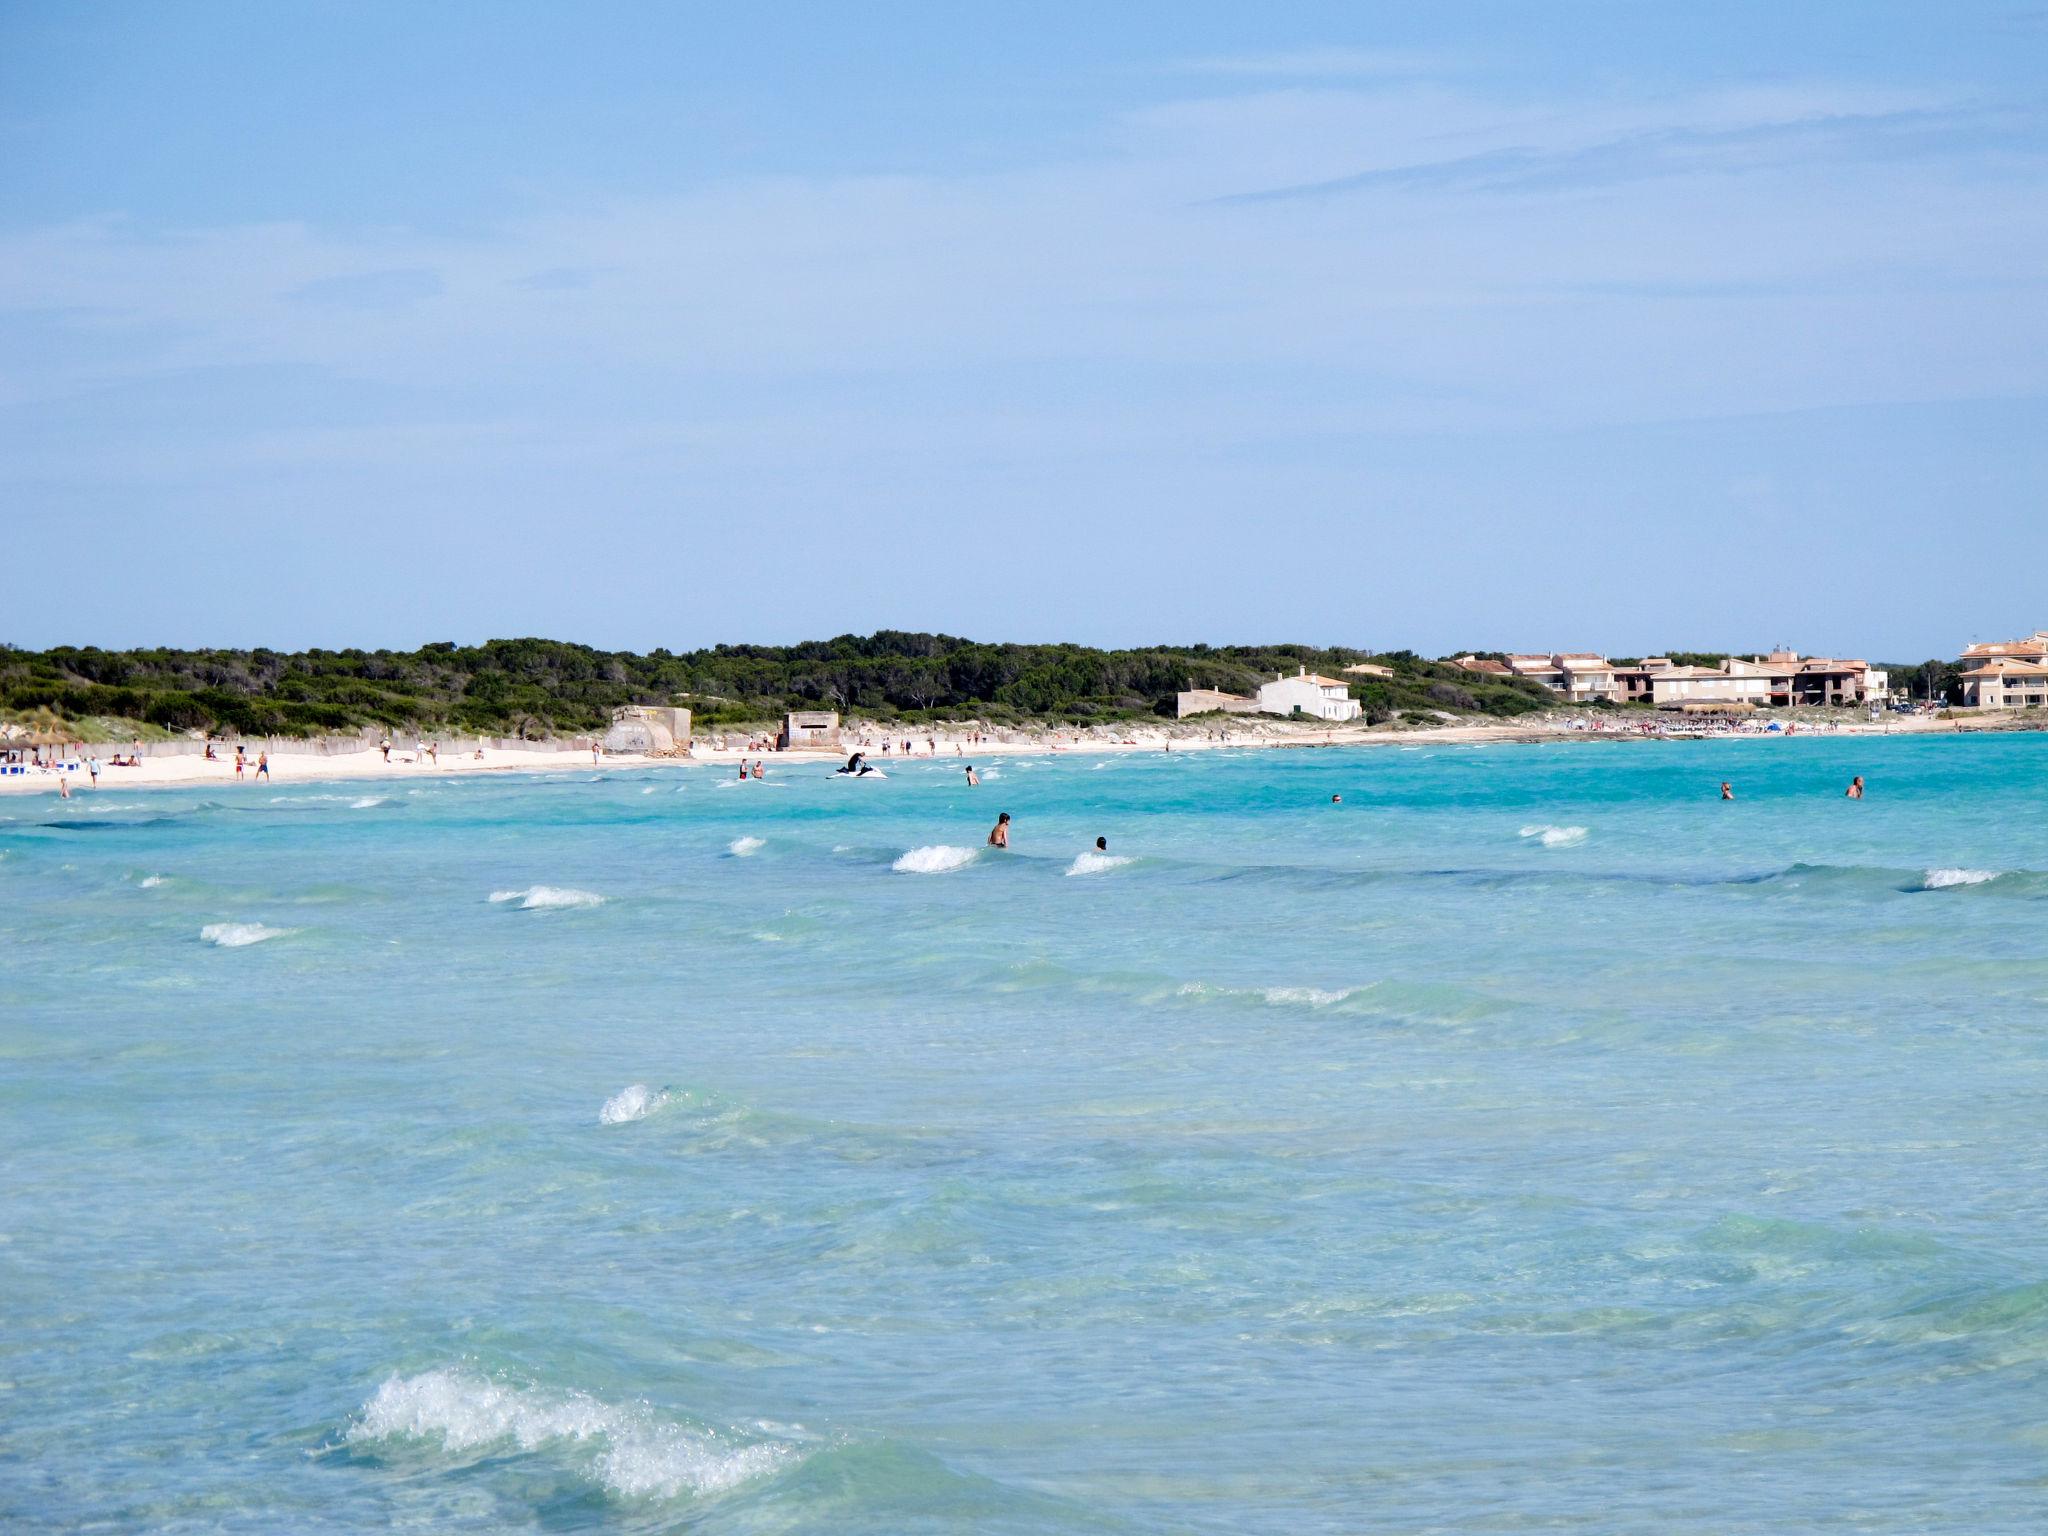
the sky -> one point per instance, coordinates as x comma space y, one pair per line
1620, 326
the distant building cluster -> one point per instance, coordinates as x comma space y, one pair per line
1998, 674
1779, 679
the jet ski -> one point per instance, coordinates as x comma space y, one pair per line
858, 767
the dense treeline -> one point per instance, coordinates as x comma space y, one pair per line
541, 687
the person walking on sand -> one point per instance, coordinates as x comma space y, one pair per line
999, 834
1727, 790
238, 762
92, 766
972, 776
385, 747
263, 766
1855, 791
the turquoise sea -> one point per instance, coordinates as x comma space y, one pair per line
1531, 1141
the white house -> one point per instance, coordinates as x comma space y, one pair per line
1307, 693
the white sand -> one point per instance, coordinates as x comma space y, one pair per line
1243, 731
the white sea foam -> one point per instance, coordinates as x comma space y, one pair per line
740, 847
1556, 837
1096, 863
236, 935
539, 897
151, 882
1277, 997
634, 1103
638, 1455
1942, 879
368, 801
650, 789
934, 859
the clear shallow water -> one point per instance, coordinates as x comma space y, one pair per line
656, 1154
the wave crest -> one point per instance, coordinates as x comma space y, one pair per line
1945, 879
1556, 837
934, 859
640, 1455
237, 935
1096, 863
541, 897
635, 1102
740, 847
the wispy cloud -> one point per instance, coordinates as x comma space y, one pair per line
1672, 152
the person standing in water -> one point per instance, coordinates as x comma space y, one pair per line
1102, 845
1727, 790
999, 834
1855, 788
972, 776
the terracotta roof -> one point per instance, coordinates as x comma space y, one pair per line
2033, 645
2009, 669
1481, 664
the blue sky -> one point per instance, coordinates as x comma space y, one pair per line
1594, 326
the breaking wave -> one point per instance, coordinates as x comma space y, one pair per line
934, 859
367, 802
1556, 837
1096, 863
740, 847
1943, 879
236, 935
634, 1103
151, 882
638, 1453
1276, 997
541, 897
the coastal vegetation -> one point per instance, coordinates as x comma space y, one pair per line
535, 688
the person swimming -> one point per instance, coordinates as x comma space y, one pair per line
999, 834
1727, 790
1855, 791
1102, 845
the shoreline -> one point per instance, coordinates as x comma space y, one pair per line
186, 770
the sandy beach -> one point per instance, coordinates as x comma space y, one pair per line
287, 766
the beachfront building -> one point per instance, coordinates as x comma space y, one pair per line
1781, 678
1308, 693
812, 729
1207, 701
2006, 674
1584, 677
1538, 669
